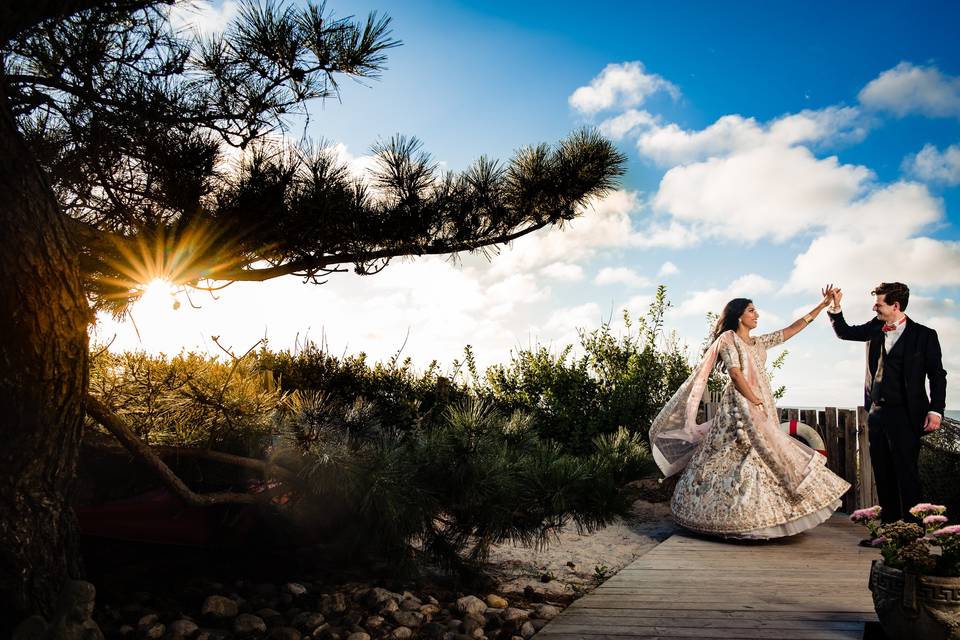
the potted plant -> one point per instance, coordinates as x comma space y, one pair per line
916, 585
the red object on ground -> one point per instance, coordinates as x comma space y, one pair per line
156, 516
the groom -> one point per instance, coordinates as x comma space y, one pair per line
901, 354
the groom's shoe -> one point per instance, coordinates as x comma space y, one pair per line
866, 542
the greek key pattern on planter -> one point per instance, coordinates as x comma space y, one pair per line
937, 592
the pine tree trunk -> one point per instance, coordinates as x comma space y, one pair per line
43, 378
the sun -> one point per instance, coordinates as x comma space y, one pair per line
159, 298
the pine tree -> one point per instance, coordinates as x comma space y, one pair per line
113, 131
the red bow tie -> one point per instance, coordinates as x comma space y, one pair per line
889, 327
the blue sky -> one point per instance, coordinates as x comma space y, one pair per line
772, 146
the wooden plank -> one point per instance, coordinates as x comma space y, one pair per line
811, 586
868, 486
831, 440
809, 417
850, 439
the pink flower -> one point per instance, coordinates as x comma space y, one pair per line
935, 519
876, 542
952, 530
925, 508
862, 515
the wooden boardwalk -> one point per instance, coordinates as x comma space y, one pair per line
811, 586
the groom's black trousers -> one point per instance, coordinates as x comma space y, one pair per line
895, 454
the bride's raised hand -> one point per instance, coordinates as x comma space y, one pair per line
828, 293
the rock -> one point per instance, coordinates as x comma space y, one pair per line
333, 603
377, 596
495, 601
389, 607
152, 631
219, 607
408, 618
374, 622
516, 614
546, 612
125, 630
182, 629
71, 619
432, 600
432, 631
471, 604
454, 625
429, 610
322, 631
410, 604
247, 624
214, 634
539, 624
402, 633
358, 635
527, 630
307, 620
493, 621
283, 633
147, 620
295, 589
472, 623
268, 615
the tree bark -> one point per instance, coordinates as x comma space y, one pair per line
43, 379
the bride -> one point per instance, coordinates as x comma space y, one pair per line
743, 477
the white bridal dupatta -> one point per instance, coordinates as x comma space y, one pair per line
675, 433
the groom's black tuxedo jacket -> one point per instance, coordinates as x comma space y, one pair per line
921, 359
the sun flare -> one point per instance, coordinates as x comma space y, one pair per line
159, 298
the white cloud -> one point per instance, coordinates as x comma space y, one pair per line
908, 89
604, 223
699, 303
620, 86
619, 126
763, 192
563, 271
667, 269
621, 275
203, 18
858, 262
670, 145
932, 165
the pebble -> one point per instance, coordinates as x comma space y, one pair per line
153, 631
402, 633
181, 629
471, 604
247, 624
527, 630
546, 612
358, 635
495, 601
219, 607
295, 589
284, 633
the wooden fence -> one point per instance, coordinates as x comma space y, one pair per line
844, 433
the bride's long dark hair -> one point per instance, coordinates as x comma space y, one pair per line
730, 316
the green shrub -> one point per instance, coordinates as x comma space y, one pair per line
619, 381
452, 490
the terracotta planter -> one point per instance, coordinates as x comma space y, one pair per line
912, 606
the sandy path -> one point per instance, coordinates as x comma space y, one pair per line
567, 567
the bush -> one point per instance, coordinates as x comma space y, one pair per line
452, 490
619, 381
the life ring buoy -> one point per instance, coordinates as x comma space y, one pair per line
806, 433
